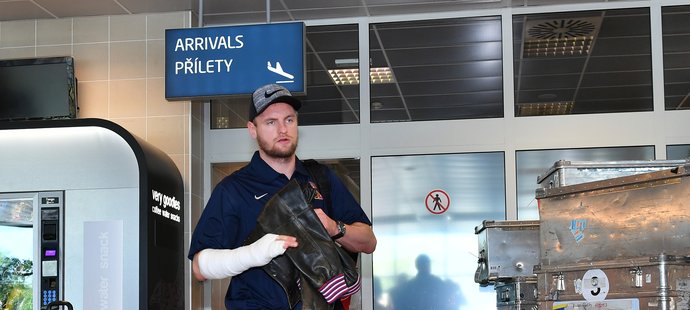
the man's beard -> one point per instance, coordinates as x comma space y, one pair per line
276, 152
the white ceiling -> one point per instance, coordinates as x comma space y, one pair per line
242, 11
42, 9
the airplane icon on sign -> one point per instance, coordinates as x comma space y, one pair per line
279, 70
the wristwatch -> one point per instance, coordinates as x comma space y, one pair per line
341, 230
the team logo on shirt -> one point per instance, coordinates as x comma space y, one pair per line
316, 189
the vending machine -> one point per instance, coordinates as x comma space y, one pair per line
90, 215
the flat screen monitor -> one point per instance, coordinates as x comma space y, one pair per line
38, 88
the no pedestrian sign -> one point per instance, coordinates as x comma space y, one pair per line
437, 201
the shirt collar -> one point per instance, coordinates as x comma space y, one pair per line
264, 171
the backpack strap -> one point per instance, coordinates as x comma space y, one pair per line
317, 171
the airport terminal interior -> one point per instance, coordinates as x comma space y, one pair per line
526, 154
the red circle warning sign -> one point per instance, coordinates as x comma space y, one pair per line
437, 201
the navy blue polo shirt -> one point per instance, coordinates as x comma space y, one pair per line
230, 216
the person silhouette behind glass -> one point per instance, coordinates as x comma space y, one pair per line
425, 290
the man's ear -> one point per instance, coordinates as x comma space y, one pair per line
252, 129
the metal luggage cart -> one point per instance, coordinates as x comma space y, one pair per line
618, 243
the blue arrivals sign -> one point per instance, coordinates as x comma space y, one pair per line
224, 61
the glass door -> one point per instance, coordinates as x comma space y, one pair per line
18, 281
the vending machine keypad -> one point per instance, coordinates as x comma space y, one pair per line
51, 258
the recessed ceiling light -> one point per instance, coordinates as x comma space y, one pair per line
378, 75
546, 108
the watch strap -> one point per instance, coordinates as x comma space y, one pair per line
341, 230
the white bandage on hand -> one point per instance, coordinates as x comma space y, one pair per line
220, 264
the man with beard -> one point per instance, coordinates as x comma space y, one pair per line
217, 248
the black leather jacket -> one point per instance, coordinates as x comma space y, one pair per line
318, 271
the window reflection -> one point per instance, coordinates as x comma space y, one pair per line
425, 290
324, 103
676, 37
409, 225
680, 151
442, 69
582, 62
531, 164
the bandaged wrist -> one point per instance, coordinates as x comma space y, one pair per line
223, 263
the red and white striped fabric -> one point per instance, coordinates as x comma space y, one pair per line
337, 288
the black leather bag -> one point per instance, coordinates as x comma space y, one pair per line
318, 262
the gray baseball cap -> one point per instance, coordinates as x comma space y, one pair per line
269, 94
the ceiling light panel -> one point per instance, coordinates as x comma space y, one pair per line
379, 75
547, 108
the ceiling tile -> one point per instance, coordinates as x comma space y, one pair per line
311, 4
239, 18
19, 10
324, 13
155, 6
395, 7
72, 8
